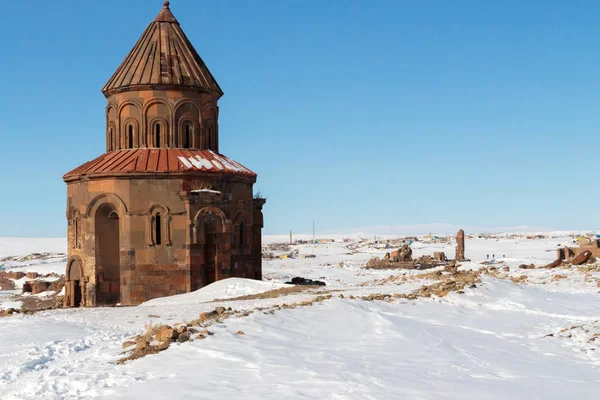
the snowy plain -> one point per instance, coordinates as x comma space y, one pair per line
500, 340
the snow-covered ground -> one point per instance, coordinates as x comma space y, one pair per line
533, 339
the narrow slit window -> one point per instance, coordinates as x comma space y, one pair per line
186, 136
130, 136
158, 232
157, 135
110, 139
241, 233
76, 232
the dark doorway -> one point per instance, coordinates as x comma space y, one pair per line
210, 251
76, 294
108, 265
74, 276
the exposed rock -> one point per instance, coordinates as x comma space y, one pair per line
32, 275
8, 312
181, 329
206, 316
166, 334
554, 264
162, 346
240, 333
140, 345
183, 337
7, 284
525, 266
220, 310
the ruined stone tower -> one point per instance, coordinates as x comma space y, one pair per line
162, 212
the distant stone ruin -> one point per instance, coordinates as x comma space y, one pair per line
566, 253
402, 255
402, 259
460, 246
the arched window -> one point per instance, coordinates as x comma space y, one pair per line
130, 136
187, 135
157, 230
241, 238
158, 226
157, 134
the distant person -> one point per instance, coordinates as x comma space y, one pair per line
503, 255
493, 256
488, 256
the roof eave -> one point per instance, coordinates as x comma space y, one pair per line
156, 175
137, 88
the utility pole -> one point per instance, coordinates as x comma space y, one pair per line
291, 236
313, 230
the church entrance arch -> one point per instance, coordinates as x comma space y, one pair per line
73, 289
107, 252
213, 229
210, 224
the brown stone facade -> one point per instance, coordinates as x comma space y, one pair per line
162, 212
163, 119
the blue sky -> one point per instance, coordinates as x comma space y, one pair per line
353, 113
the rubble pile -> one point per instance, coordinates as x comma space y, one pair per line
159, 337
584, 257
8, 278
402, 259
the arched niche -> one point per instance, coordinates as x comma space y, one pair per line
131, 133
106, 198
111, 126
187, 121
111, 136
74, 283
107, 251
211, 233
158, 225
158, 134
210, 131
129, 113
158, 114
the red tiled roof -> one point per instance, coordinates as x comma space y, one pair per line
152, 160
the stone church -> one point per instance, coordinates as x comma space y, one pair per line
162, 212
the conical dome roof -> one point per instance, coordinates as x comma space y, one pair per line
162, 57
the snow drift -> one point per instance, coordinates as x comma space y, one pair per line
224, 289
